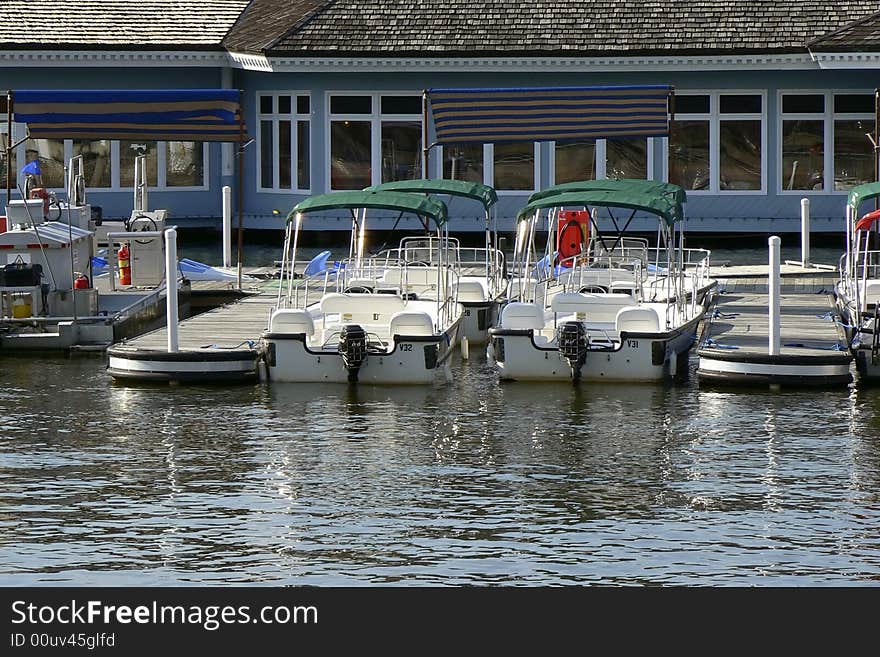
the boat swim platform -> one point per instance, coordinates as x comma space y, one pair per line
734, 344
218, 345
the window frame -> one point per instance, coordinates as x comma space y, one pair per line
715, 117
828, 117
294, 117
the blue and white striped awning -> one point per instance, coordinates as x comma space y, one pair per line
549, 113
166, 114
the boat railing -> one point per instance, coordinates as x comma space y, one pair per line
697, 265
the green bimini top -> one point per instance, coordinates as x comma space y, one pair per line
862, 193
662, 206
675, 192
462, 188
354, 200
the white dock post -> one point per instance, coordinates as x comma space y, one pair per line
171, 288
465, 351
227, 226
805, 232
773, 288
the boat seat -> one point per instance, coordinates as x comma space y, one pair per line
517, 315
362, 308
597, 307
637, 319
411, 322
472, 290
292, 321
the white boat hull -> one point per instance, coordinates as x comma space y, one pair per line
638, 357
411, 360
477, 318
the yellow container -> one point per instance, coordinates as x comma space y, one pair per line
21, 307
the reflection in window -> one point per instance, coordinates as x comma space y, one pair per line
803, 147
267, 153
4, 142
184, 164
50, 153
515, 166
740, 154
575, 160
626, 158
302, 152
350, 154
463, 162
96, 161
128, 151
401, 150
689, 154
853, 154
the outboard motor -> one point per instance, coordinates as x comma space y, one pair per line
574, 344
353, 349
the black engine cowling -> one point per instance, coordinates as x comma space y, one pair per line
353, 349
574, 345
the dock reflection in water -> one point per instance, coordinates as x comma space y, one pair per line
465, 482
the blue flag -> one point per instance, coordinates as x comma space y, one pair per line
32, 168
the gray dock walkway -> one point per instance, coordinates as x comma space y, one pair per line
734, 345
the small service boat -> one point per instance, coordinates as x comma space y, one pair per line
596, 306
389, 318
858, 288
482, 286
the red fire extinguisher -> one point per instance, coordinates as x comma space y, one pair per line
81, 282
124, 257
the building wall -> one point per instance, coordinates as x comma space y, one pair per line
770, 210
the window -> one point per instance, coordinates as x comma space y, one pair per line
574, 160
284, 148
716, 142
4, 142
184, 164
626, 158
128, 152
463, 162
513, 166
50, 154
97, 162
824, 140
374, 138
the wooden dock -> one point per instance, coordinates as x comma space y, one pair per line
734, 347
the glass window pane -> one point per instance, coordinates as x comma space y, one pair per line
740, 154
575, 160
50, 153
267, 155
184, 164
803, 151
401, 150
803, 103
302, 104
853, 160
303, 158
689, 154
463, 162
626, 158
4, 142
741, 104
854, 103
266, 104
691, 105
515, 166
128, 151
285, 155
284, 104
401, 104
351, 104
96, 161
350, 155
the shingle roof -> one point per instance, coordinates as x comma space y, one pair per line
860, 36
265, 21
544, 27
109, 24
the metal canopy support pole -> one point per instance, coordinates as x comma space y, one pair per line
774, 305
425, 147
8, 146
171, 288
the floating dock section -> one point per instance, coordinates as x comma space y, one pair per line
811, 348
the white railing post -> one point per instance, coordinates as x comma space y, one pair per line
227, 226
773, 288
805, 232
171, 288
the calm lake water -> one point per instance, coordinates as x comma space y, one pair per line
464, 482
